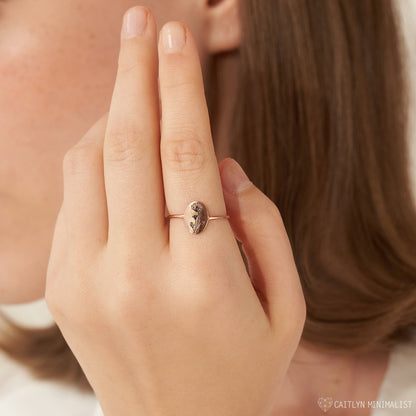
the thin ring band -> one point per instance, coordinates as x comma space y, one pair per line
196, 217
209, 218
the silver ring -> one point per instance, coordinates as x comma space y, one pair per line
196, 217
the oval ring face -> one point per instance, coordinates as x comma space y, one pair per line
196, 217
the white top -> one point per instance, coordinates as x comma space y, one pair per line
399, 384
22, 395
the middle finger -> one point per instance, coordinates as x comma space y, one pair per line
189, 164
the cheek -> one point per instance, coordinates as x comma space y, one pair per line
53, 89
57, 70
58, 61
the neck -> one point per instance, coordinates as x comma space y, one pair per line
315, 373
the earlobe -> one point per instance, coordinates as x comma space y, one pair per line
224, 26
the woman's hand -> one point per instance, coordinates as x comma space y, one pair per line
164, 322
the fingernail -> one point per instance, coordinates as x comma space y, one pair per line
173, 37
233, 177
134, 22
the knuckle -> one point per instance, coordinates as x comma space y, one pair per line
188, 153
182, 86
126, 144
129, 66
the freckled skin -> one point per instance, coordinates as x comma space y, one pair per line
58, 62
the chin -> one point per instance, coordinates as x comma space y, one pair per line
22, 278
25, 243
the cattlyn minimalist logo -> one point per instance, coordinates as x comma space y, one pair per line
326, 403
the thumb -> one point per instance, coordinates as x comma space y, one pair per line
258, 225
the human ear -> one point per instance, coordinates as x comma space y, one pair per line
223, 25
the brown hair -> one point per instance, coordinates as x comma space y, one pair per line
320, 126
43, 351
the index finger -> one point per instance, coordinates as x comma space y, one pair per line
133, 177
